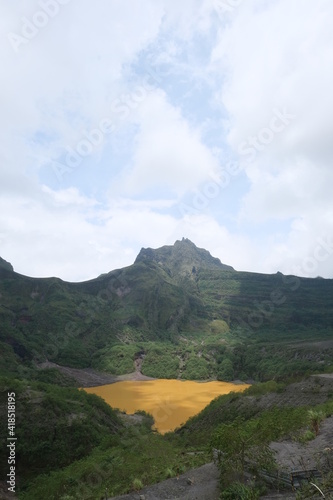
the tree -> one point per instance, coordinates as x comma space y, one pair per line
242, 445
225, 370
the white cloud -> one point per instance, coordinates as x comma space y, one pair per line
300, 189
269, 57
308, 250
278, 56
231, 248
66, 235
168, 151
64, 78
186, 18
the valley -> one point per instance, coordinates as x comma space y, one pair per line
177, 319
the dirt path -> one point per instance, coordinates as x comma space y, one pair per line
203, 483
290, 455
317, 453
196, 484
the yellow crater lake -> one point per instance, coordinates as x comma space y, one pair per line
170, 402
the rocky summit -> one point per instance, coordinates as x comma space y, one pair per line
181, 259
177, 313
213, 321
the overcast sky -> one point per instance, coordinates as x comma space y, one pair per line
133, 123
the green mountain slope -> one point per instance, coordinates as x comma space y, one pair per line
54, 426
177, 312
204, 319
181, 259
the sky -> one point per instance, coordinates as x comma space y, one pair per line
127, 124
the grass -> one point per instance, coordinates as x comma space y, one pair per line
93, 323
210, 323
123, 459
136, 461
54, 425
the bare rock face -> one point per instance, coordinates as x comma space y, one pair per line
181, 259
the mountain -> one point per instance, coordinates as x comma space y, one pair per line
177, 308
5, 265
177, 312
181, 259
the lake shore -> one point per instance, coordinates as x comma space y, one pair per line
171, 402
88, 377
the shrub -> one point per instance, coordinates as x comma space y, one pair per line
169, 473
263, 388
137, 484
239, 491
315, 418
225, 370
196, 369
307, 436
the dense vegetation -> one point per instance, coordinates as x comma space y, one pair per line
181, 314
240, 427
72, 446
215, 321
54, 425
